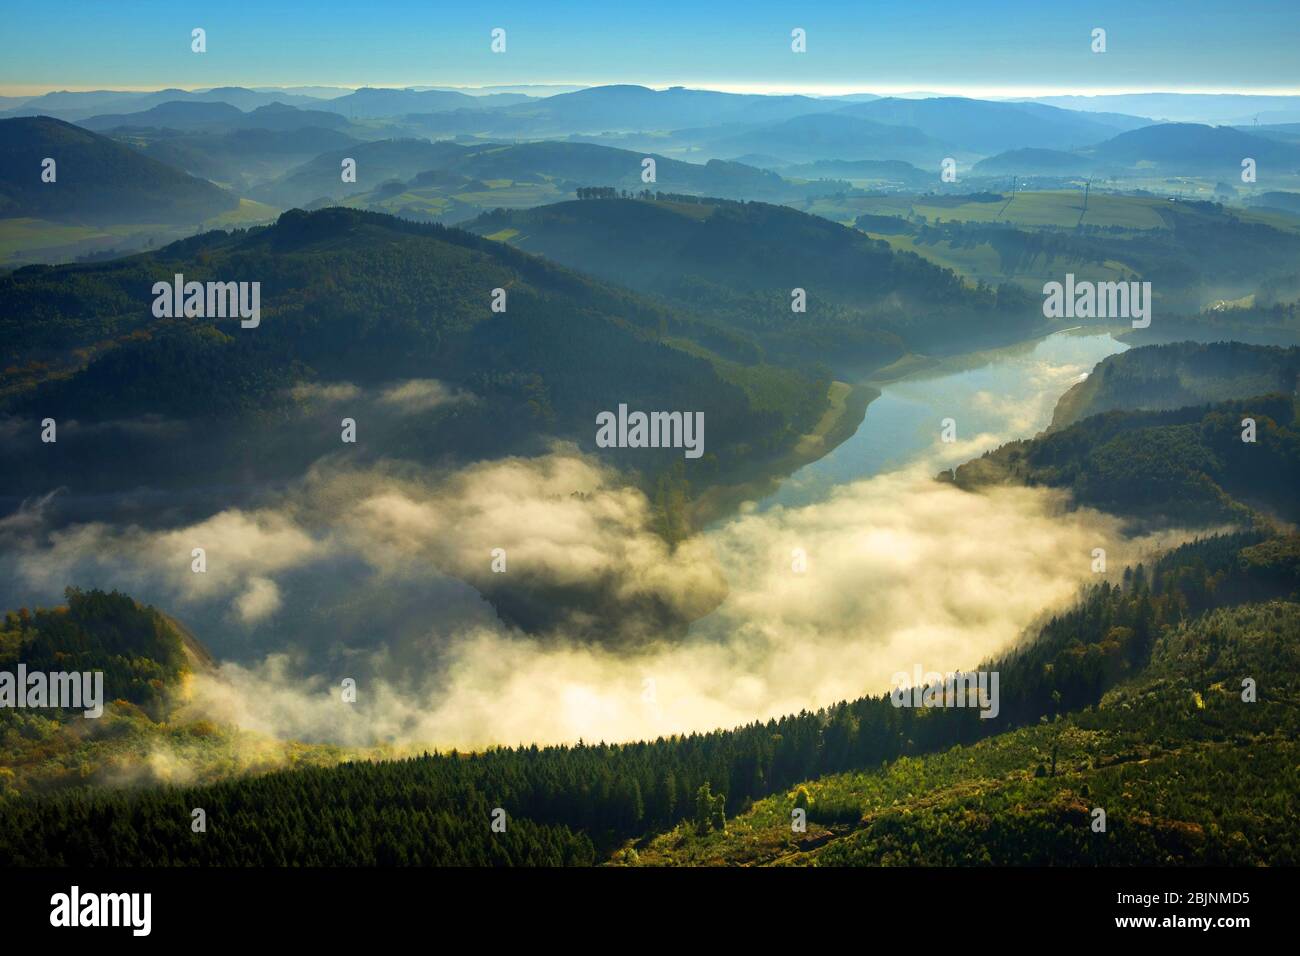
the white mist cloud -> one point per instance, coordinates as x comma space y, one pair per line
901, 570
563, 520
260, 600
419, 395
242, 550
405, 397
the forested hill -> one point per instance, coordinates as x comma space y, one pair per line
363, 299
1233, 462
141, 653
579, 804
1190, 761
1183, 373
146, 731
95, 179
743, 260
1187, 466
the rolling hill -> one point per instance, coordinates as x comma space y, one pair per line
589, 164
217, 116
981, 126
740, 261
149, 661
1156, 150
321, 177
357, 309
627, 107
365, 299
98, 179
1185, 467
1226, 108
1171, 376
76, 106
370, 102
242, 159
1031, 161
174, 114
486, 176
830, 136
1198, 255
1194, 148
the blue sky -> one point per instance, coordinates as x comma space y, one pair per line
1013, 46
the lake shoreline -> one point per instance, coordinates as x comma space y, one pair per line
839, 424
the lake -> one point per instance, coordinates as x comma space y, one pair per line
994, 397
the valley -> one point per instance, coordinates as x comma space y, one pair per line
562, 475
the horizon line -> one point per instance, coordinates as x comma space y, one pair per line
825, 90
